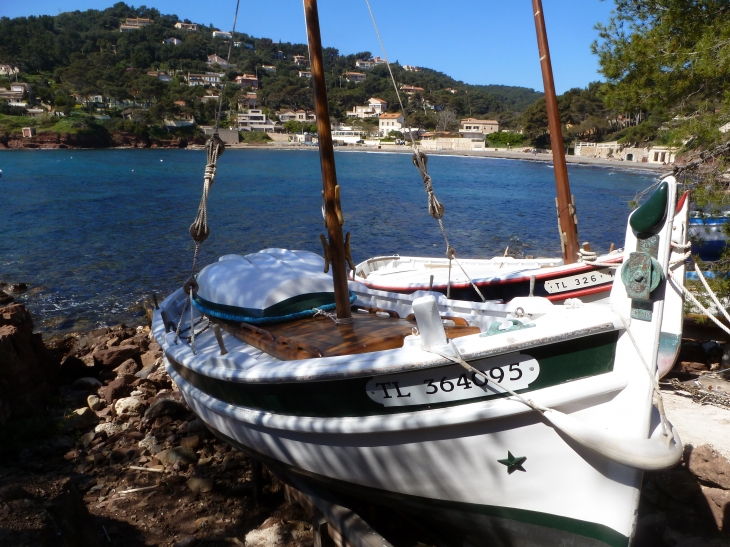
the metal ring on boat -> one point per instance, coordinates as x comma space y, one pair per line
191, 284
519, 312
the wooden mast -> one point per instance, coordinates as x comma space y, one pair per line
333, 213
567, 219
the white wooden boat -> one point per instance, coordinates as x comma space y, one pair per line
498, 278
520, 423
395, 419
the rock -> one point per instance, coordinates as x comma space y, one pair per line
199, 485
179, 454
140, 340
83, 418
88, 383
94, 402
229, 464
127, 367
115, 356
165, 407
109, 428
265, 536
188, 541
149, 358
116, 389
13, 492
17, 288
5, 299
27, 367
86, 438
146, 371
719, 502
709, 466
129, 405
190, 442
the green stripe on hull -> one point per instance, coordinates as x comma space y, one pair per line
559, 363
501, 526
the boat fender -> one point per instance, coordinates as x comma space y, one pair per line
653, 454
428, 319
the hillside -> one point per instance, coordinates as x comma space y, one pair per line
73, 56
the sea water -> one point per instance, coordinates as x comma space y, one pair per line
95, 232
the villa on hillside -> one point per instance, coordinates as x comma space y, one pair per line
411, 68
248, 80
362, 63
373, 109
615, 150
356, 77
247, 99
256, 120
411, 89
390, 121
186, 26
472, 128
300, 60
268, 68
8, 70
134, 23
297, 116
222, 34
209, 78
160, 75
305, 74
220, 61
173, 41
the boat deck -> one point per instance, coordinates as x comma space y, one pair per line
321, 337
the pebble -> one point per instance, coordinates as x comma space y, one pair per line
199, 485
180, 454
165, 407
129, 405
110, 428
94, 402
146, 371
87, 438
85, 417
192, 441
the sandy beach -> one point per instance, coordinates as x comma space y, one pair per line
488, 153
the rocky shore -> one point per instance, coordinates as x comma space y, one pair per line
119, 139
98, 448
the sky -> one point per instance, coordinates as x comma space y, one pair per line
475, 41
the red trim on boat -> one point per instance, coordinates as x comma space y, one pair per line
571, 269
681, 201
582, 292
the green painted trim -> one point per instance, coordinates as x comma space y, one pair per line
652, 212
559, 363
570, 530
295, 304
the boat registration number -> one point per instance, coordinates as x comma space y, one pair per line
453, 382
573, 282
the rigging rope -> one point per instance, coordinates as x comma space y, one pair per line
199, 230
420, 160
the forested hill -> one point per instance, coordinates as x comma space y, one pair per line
85, 53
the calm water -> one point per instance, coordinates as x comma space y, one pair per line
93, 233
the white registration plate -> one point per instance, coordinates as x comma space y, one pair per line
573, 282
453, 383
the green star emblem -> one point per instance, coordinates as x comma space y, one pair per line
513, 464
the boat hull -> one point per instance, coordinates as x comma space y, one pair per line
562, 494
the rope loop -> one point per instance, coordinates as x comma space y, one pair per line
450, 253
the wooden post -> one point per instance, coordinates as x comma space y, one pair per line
333, 213
567, 221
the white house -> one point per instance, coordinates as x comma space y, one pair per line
162, 76
297, 116
209, 78
389, 121
362, 63
186, 26
248, 80
373, 109
357, 77
134, 23
256, 120
222, 34
173, 41
269, 68
8, 70
411, 68
472, 128
305, 74
300, 60
220, 61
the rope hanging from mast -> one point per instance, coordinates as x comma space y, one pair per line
420, 161
199, 230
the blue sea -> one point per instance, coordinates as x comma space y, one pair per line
94, 233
